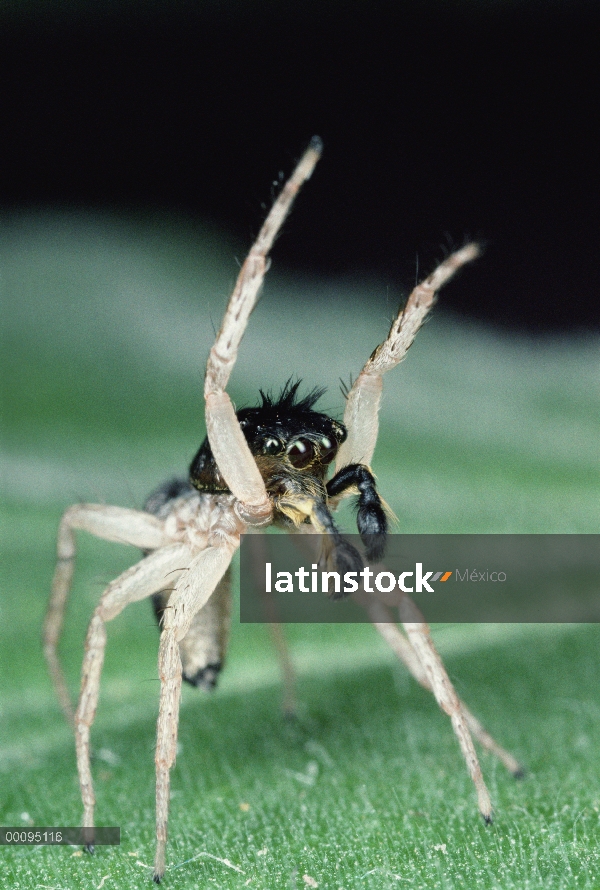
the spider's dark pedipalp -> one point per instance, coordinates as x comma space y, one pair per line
343, 554
371, 518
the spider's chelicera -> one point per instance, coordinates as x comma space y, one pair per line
279, 463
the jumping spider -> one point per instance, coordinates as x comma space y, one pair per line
261, 466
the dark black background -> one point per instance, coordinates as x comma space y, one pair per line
441, 119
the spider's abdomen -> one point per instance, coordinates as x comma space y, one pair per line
204, 647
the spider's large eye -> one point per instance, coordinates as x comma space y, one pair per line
327, 449
301, 453
272, 446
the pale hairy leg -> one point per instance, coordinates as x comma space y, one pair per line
227, 441
140, 581
112, 524
384, 624
362, 404
192, 591
419, 635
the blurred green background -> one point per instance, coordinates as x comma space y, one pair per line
106, 324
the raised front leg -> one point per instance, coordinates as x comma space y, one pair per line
227, 442
112, 524
362, 405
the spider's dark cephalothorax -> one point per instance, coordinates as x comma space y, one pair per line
293, 447
285, 434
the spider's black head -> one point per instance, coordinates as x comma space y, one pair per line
289, 441
293, 447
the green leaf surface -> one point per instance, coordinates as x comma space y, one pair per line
106, 324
